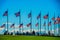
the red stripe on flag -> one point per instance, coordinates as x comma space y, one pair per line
46, 16
58, 18
28, 24
21, 25
55, 22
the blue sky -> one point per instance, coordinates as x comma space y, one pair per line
25, 6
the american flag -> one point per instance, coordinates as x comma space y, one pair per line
53, 18
17, 14
5, 13
29, 15
46, 16
3, 26
12, 25
58, 19
49, 24
28, 24
36, 24
55, 22
21, 25
38, 16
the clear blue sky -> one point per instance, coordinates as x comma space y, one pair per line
25, 6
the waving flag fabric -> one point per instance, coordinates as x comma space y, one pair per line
29, 15
5, 13
46, 16
3, 26
49, 24
36, 24
38, 16
17, 14
21, 25
28, 24
12, 25
58, 19
53, 18
55, 22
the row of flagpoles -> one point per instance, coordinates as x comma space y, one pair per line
17, 14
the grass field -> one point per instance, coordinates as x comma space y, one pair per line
9, 37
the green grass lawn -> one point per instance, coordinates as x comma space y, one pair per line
10, 37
